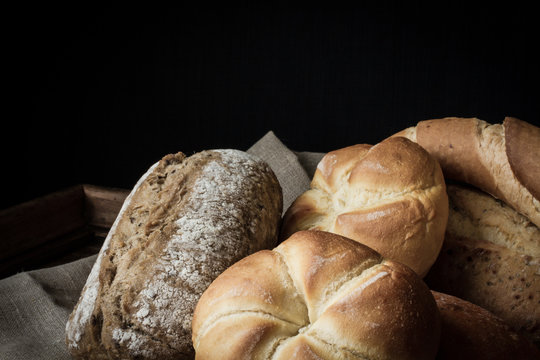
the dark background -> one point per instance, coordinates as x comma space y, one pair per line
96, 94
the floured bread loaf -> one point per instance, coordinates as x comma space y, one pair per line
186, 220
491, 257
317, 295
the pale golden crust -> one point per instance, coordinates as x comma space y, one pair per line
390, 196
490, 257
248, 335
471, 332
335, 166
308, 348
333, 282
259, 282
395, 165
320, 263
381, 312
397, 227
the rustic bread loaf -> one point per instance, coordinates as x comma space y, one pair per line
503, 160
185, 221
390, 197
317, 295
491, 257
469, 332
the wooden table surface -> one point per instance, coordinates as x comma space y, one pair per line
57, 228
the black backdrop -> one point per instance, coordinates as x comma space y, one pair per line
99, 93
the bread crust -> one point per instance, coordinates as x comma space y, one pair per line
491, 257
523, 151
500, 159
390, 196
304, 300
186, 220
470, 332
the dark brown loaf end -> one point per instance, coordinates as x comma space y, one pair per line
523, 150
185, 221
469, 332
491, 257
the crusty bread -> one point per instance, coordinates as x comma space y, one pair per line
317, 295
185, 221
469, 332
500, 159
390, 197
491, 257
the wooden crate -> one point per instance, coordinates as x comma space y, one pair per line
57, 228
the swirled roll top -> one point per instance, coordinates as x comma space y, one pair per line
317, 295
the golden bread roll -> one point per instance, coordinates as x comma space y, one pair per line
500, 159
390, 197
469, 332
491, 257
317, 295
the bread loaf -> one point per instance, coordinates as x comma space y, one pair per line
317, 295
186, 220
390, 197
469, 332
491, 257
500, 159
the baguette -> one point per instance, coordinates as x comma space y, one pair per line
186, 220
500, 159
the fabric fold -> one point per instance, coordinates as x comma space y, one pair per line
291, 174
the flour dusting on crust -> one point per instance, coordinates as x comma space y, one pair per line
220, 211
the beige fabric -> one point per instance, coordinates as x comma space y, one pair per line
287, 166
35, 305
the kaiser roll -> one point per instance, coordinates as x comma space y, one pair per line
317, 295
391, 197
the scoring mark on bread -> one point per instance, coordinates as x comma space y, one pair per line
338, 349
357, 283
333, 292
298, 295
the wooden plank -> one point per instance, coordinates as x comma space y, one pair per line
40, 221
47, 254
57, 228
103, 204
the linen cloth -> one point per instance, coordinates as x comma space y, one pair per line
35, 305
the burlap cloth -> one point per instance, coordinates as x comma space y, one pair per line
35, 305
